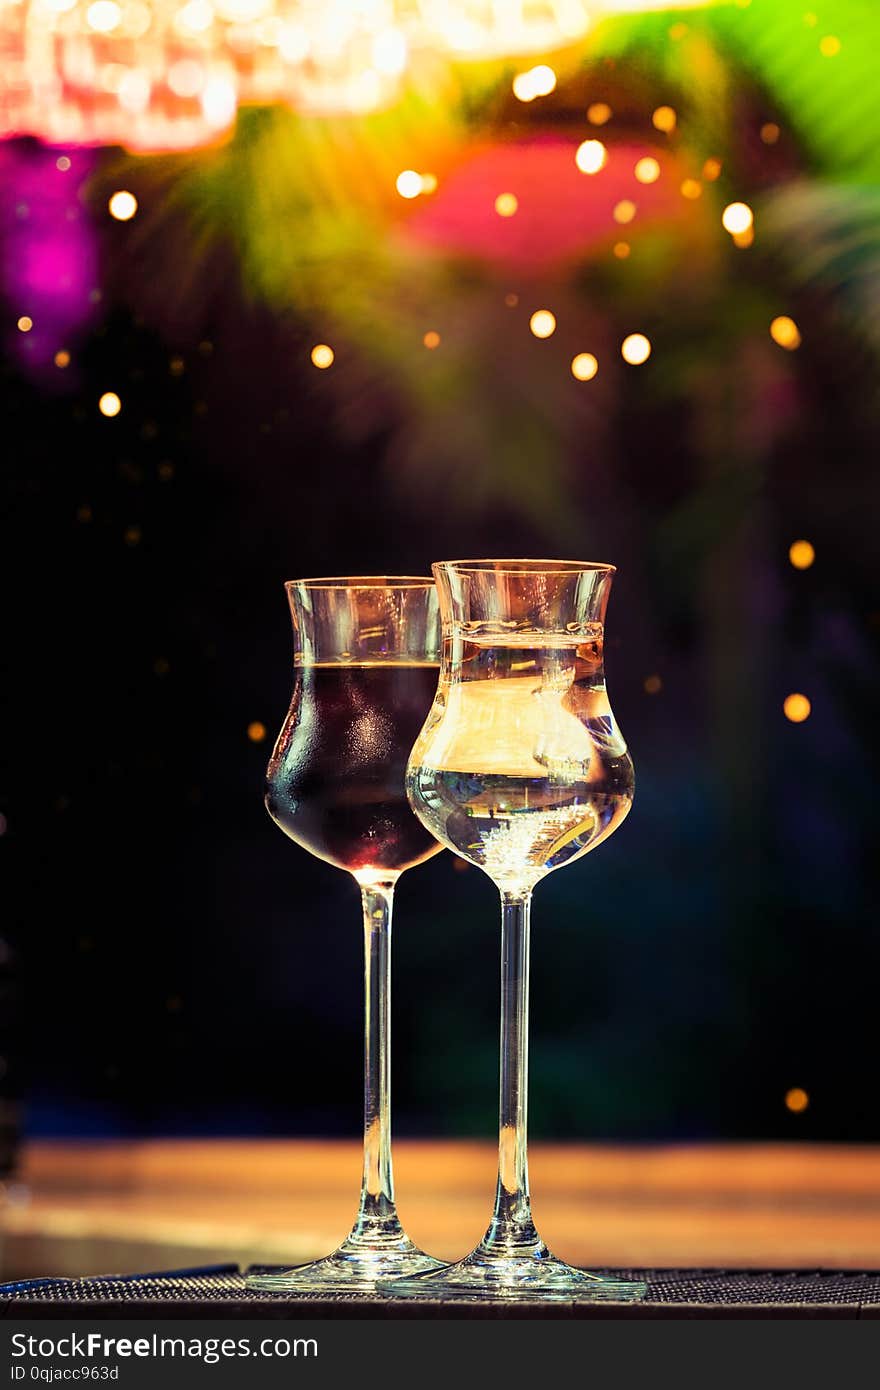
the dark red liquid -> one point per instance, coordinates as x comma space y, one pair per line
336, 777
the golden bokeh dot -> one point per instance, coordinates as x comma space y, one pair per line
62, 358
796, 1100
745, 238
511, 300
408, 183
737, 218
161, 666
431, 338
62, 163
712, 169
647, 170
543, 323
256, 731
25, 324
811, 19
785, 333
770, 132
801, 554
506, 204
622, 250
653, 685
429, 183
584, 366
109, 404
624, 211
123, 205
322, 356
635, 349
177, 366
829, 46
796, 708
132, 535
591, 156
691, 188
599, 113
664, 118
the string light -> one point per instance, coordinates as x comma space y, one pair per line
599, 113
122, 205
506, 204
737, 218
584, 366
796, 708
785, 332
647, 170
109, 404
635, 349
25, 324
591, 156
664, 118
801, 554
797, 1100
543, 323
691, 188
624, 211
322, 356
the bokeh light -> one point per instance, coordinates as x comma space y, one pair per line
829, 46
801, 554
25, 324
691, 188
796, 708
109, 404
624, 211
770, 132
712, 169
797, 1100
506, 204
431, 339
599, 113
591, 156
622, 250
256, 731
123, 205
647, 170
584, 366
62, 358
785, 332
737, 218
322, 356
408, 183
635, 349
542, 323
664, 118
539, 81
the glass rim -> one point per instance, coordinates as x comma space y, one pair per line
364, 581
524, 566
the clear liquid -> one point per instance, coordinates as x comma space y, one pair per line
520, 767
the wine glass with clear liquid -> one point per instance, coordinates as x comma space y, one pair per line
366, 655
520, 769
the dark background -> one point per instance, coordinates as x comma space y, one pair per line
183, 968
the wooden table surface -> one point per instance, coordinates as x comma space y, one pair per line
95, 1208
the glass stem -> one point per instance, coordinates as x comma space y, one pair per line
511, 1230
377, 1216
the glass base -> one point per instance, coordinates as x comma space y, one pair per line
537, 1277
356, 1267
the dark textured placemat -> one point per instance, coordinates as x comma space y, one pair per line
221, 1292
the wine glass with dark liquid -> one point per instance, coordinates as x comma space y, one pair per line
366, 657
520, 769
